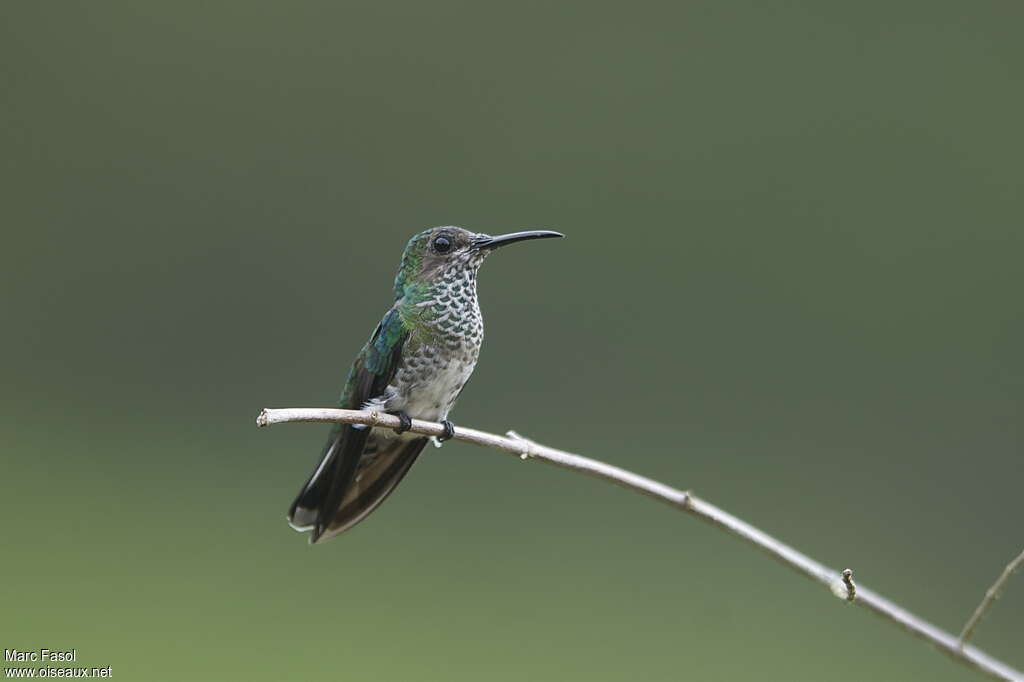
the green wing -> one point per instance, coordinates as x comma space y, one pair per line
318, 502
376, 363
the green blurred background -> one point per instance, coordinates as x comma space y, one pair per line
792, 283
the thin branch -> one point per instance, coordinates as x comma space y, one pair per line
990, 596
684, 501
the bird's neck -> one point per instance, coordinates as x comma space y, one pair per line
445, 305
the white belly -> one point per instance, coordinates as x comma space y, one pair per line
433, 397
426, 390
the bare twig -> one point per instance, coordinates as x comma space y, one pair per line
990, 596
684, 501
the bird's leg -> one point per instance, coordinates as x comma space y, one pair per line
406, 421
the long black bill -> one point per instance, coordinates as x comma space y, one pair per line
487, 242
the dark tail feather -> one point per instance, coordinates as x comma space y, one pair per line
376, 478
329, 480
357, 471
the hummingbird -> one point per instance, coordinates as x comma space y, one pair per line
414, 366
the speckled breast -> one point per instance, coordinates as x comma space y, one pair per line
432, 374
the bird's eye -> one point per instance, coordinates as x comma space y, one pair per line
442, 244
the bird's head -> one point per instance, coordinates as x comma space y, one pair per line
433, 253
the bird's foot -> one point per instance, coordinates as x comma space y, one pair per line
448, 434
406, 422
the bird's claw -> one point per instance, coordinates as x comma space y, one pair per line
405, 422
449, 431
